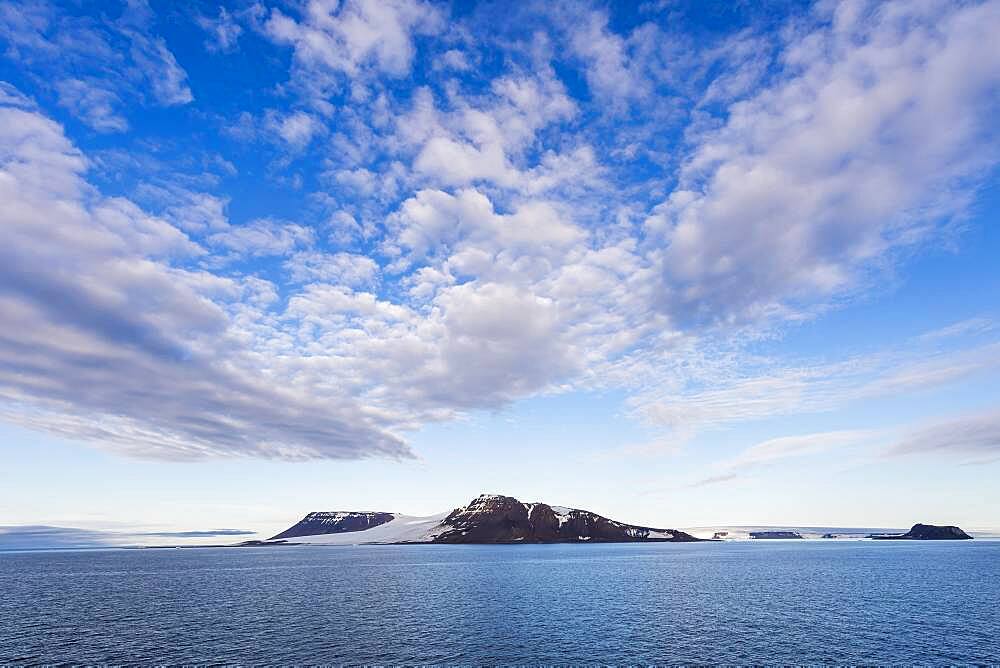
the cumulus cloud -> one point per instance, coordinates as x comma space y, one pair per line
125, 343
485, 139
610, 68
110, 338
832, 167
198, 212
334, 40
296, 129
262, 237
476, 241
341, 268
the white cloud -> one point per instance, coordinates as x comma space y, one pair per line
455, 163
151, 57
11, 96
351, 38
976, 434
94, 64
464, 231
339, 268
296, 129
108, 340
224, 31
453, 59
93, 104
485, 139
360, 180
166, 77
199, 212
344, 228
610, 69
263, 237
773, 450
863, 145
718, 398
795, 446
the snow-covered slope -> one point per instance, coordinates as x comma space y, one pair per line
400, 529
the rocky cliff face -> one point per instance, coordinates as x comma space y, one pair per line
318, 524
928, 532
492, 518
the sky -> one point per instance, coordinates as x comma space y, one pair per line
679, 263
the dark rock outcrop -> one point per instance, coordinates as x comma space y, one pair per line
315, 524
492, 518
926, 532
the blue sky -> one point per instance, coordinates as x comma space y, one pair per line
680, 263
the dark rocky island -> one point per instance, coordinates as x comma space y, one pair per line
926, 532
503, 519
489, 518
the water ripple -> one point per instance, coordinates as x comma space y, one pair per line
704, 603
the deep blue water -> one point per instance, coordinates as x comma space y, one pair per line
794, 602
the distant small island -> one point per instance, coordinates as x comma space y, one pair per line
775, 535
926, 532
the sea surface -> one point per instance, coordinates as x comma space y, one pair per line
737, 602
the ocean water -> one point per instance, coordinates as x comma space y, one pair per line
786, 602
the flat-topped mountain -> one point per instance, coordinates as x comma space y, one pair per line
315, 524
926, 532
489, 518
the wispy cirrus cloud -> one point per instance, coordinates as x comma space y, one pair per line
92, 63
224, 30
725, 396
95, 105
775, 450
975, 435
